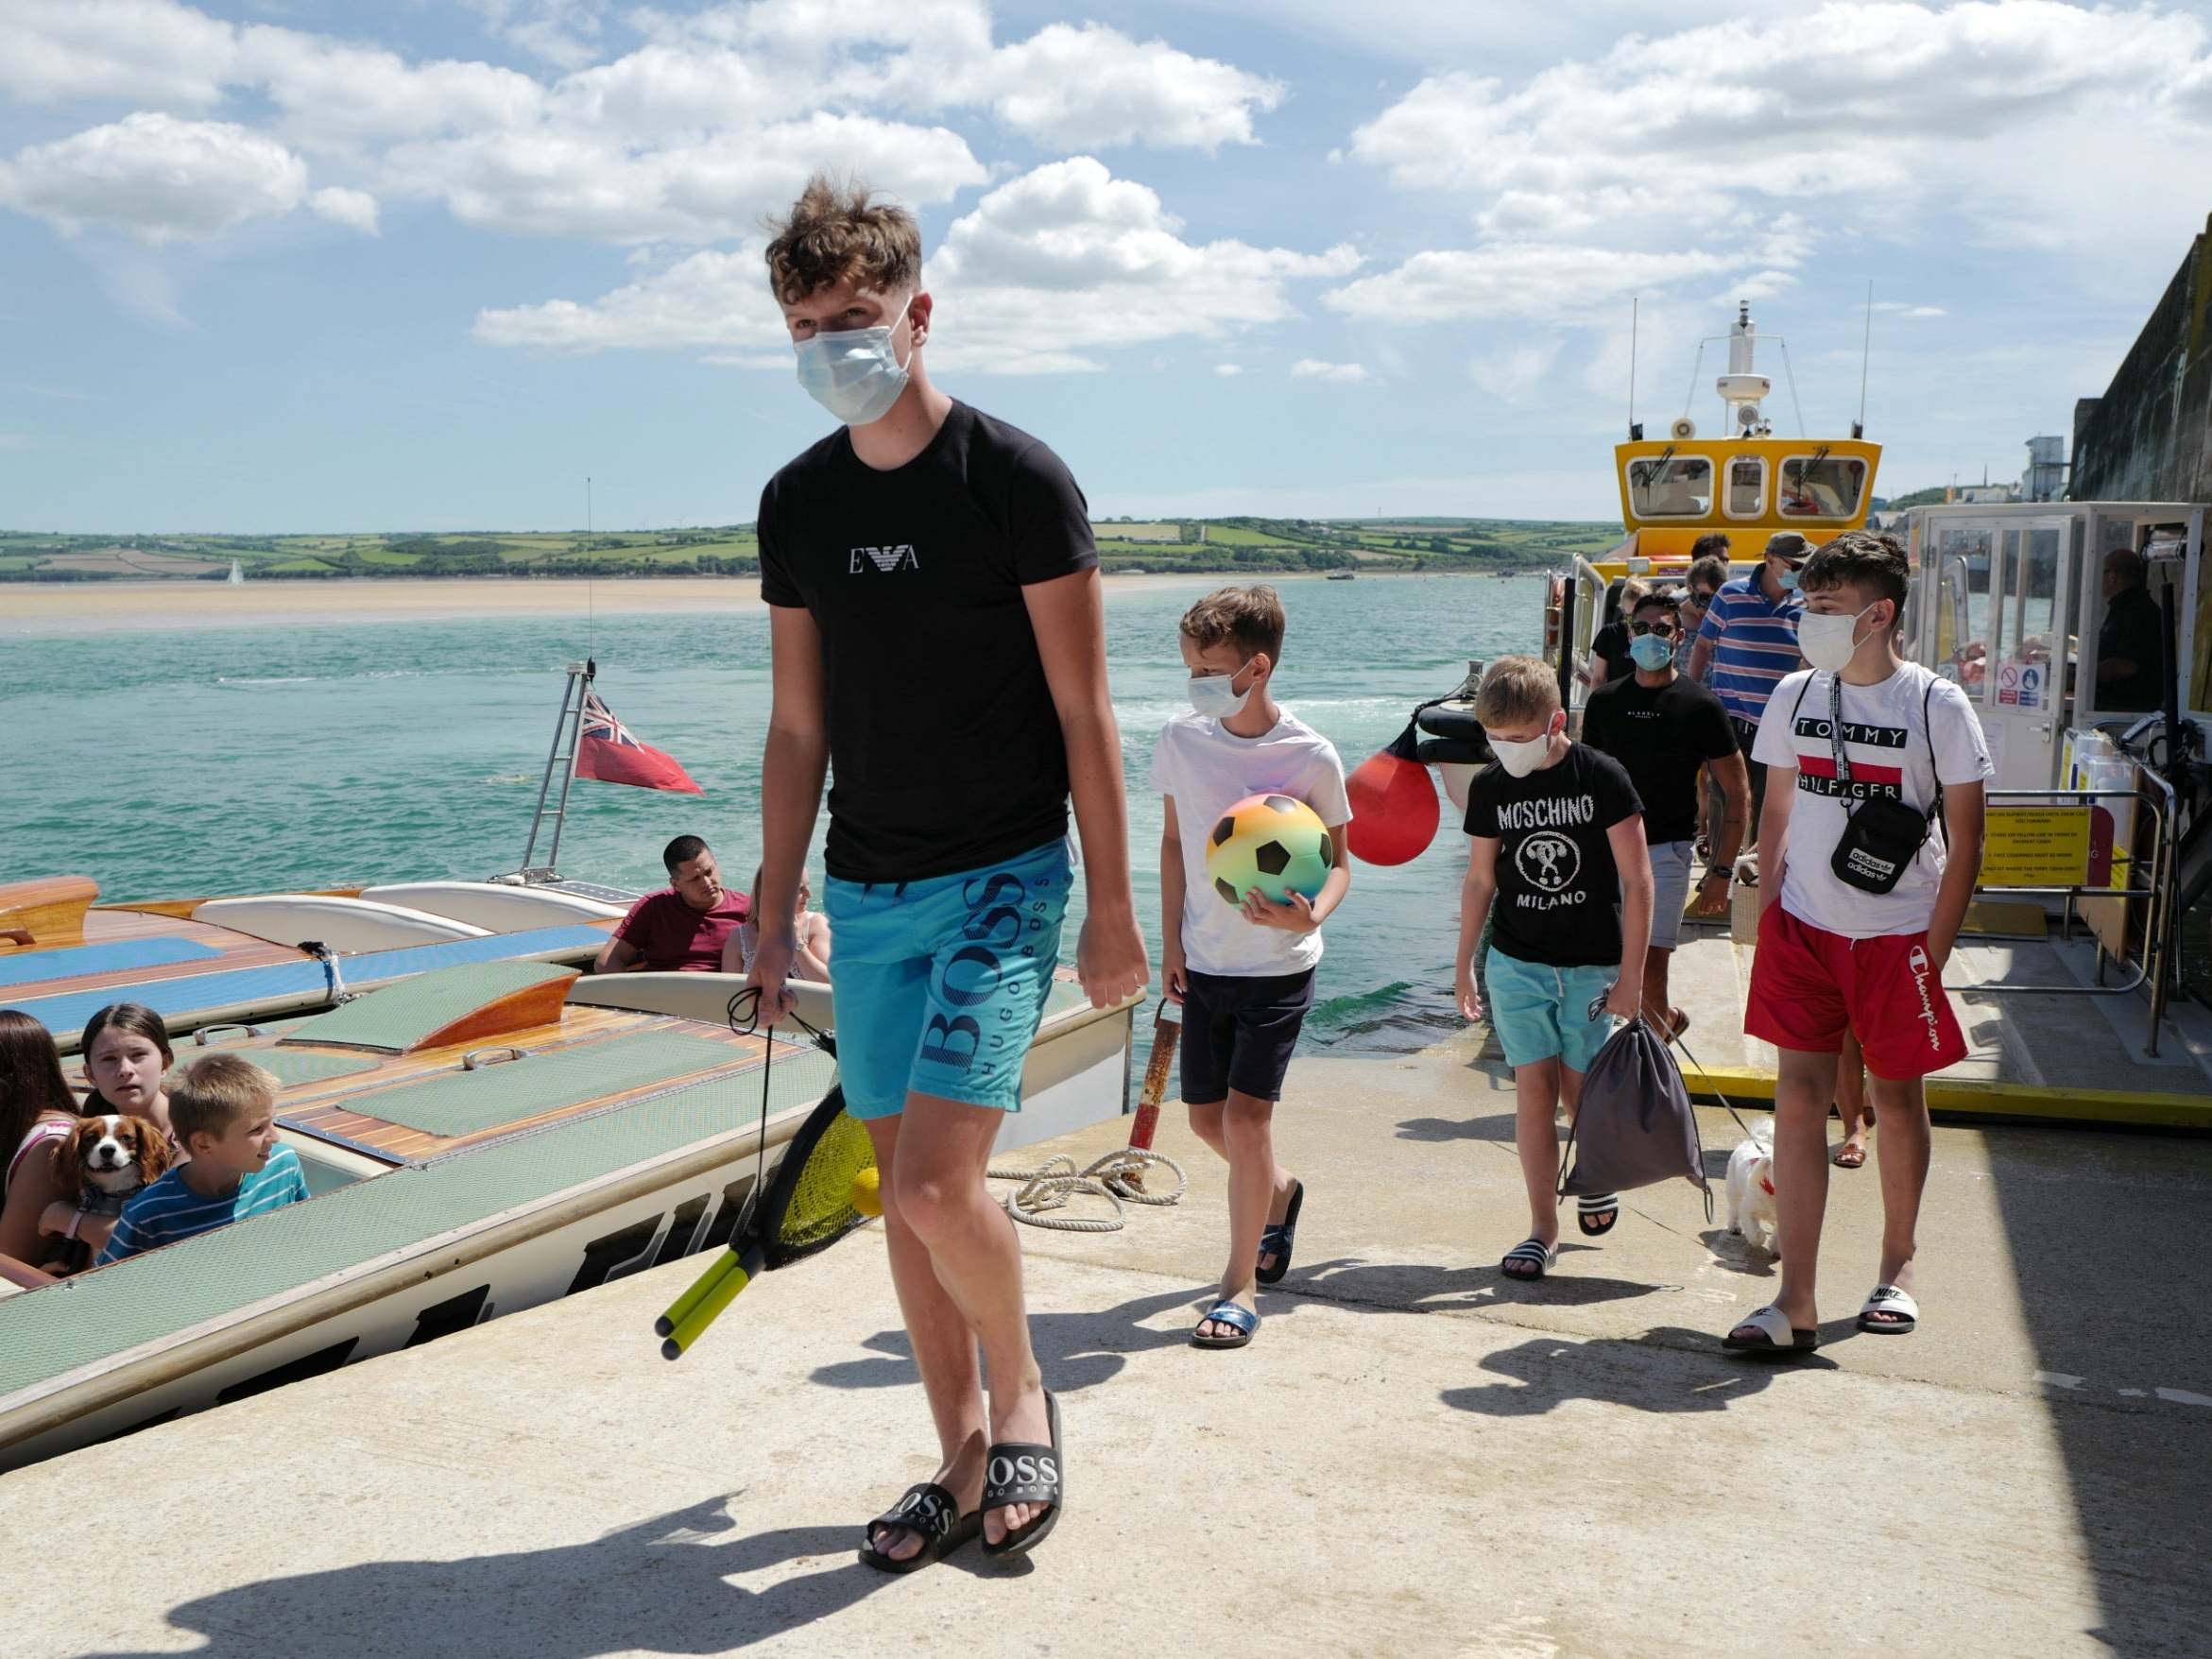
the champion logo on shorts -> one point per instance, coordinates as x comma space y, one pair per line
1917, 962
887, 560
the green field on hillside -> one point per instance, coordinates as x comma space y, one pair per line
1231, 545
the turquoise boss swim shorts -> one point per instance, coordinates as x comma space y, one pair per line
940, 984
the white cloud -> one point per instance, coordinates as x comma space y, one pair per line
710, 298
147, 50
691, 137
1535, 280
1336, 373
562, 32
352, 208
157, 176
551, 182
1048, 269
1226, 369
1694, 125
1898, 308
1092, 87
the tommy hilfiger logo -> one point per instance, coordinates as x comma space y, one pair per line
885, 558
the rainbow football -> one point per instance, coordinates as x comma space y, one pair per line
1270, 842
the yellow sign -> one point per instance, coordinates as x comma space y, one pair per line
2036, 847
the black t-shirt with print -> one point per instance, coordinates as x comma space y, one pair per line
1661, 735
1559, 893
945, 747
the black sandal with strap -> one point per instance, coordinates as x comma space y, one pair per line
1279, 1240
1597, 1214
929, 1510
1024, 1472
1531, 1258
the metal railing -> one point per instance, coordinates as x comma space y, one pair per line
2155, 796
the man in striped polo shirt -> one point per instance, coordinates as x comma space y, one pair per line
1749, 640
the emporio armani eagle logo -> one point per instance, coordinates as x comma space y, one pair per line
885, 559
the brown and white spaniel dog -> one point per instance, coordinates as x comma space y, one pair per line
104, 1162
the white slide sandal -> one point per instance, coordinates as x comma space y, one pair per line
1899, 1314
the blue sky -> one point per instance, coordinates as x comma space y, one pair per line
305, 266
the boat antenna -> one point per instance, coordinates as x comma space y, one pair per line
1694, 367
591, 610
1634, 431
1865, 349
1791, 375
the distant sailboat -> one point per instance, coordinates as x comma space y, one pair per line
237, 577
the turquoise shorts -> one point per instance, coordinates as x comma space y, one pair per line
940, 984
1540, 1012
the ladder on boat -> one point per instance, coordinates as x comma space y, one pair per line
569, 729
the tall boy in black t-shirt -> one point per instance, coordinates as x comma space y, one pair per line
1555, 842
939, 641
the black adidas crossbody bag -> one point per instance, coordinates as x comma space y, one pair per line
1882, 836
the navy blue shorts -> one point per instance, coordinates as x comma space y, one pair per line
1237, 1034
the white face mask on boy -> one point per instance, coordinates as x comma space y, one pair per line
1520, 759
855, 374
1828, 640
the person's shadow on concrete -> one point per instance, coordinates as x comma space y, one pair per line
1738, 1254
1075, 1350
1498, 1126
1667, 1369
1422, 1287
662, 1585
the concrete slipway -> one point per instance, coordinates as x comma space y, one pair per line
1414, 1457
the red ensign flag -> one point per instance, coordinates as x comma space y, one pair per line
609, 754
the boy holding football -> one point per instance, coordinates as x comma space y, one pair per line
1242, 967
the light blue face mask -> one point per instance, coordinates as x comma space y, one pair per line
855, 374
1788, 578
1214, 696
1650, 652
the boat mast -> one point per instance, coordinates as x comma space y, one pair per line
571, 726
1741, 388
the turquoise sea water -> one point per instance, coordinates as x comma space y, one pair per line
273, 756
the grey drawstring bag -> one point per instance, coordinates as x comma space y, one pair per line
1635, 1127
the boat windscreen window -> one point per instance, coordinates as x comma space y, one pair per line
1822, 487
1671, 486
1747, 487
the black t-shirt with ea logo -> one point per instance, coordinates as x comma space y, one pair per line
1558, 894
945, 747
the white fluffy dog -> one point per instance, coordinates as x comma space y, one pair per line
1751, 1193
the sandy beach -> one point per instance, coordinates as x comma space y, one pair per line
83, 607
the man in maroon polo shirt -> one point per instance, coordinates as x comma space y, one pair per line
683, 926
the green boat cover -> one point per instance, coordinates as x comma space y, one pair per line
58, 1327
462, 1103
398, 1018
289, 1065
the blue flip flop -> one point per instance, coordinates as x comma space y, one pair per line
1227, 1312
1277, 1241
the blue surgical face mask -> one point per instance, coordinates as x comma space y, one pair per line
1651, 652
1215, 696
855, 374
1788, 578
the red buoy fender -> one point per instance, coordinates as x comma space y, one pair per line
1394, 803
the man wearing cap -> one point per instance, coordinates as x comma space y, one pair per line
1749, 641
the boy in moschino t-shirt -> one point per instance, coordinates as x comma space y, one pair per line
939, 648
1555, 842
1836, 956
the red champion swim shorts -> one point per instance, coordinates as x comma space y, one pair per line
1808, 987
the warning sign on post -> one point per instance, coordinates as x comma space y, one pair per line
2046, 847
2019, 684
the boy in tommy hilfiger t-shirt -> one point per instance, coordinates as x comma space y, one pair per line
1856, 930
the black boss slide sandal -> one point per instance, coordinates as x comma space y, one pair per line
927, 1509
1022, 1472
1277, 1241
